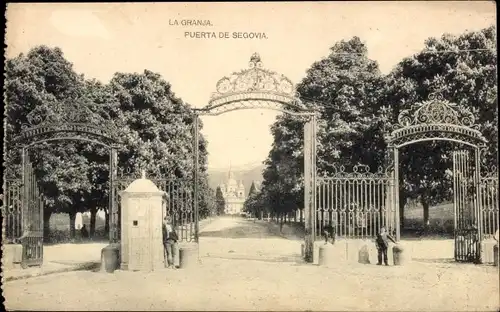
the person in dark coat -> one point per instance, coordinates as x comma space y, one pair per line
330, 231
84, 232
169, 243
382, 243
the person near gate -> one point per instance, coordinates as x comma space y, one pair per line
169, 243
84, 232
382, 243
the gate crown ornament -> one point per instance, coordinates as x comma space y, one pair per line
436, 110
68, 119
254, 79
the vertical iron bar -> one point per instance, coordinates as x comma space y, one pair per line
195, 175
455, 191
477, 193
309, 244
396, 193
313, 166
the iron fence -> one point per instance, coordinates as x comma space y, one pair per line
355, 204
12, 210
489, 204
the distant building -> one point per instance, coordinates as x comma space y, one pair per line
234, 195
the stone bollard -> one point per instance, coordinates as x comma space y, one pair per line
364, 255
495, 255
398, 254
326, 255
110, 258
188, 257
12, 256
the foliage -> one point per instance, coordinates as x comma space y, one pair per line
345, 88
220, 202
155, 130
36, 84
467, 78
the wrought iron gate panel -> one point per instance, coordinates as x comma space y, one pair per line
179, 206
356, 203
32, 218
489, 203
467, 236
12, 213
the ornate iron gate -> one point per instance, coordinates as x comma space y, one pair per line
356, 203
32, 216
466, 210
68, 121
255, 88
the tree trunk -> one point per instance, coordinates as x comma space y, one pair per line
72, 219
46, 223
425, 206
301, 215
106, 221
402, 214
283, 216
93, 214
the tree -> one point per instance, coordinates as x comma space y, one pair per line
253, 204
157, 132
36, 86
253, 189
346, 88
219, 201
462, 69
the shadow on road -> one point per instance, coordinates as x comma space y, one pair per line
296, 259
240, 231
437, 260
247, 228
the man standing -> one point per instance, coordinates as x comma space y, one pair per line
169, 243
382, 242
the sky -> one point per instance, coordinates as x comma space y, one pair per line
101, 39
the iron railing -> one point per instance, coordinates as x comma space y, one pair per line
357, 204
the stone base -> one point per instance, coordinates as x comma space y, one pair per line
487, 256
327, 255
189, 256
356, 251
12, 256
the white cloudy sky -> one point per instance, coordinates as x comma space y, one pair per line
101, 39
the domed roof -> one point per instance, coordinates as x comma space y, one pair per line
142, 185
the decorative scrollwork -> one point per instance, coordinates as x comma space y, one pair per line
254, 87
66, 117
489, 172
256, 100
359, 171
436, 132
254, 79
436, 110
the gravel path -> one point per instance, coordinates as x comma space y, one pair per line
249, 266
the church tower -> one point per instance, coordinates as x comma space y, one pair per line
234, 193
